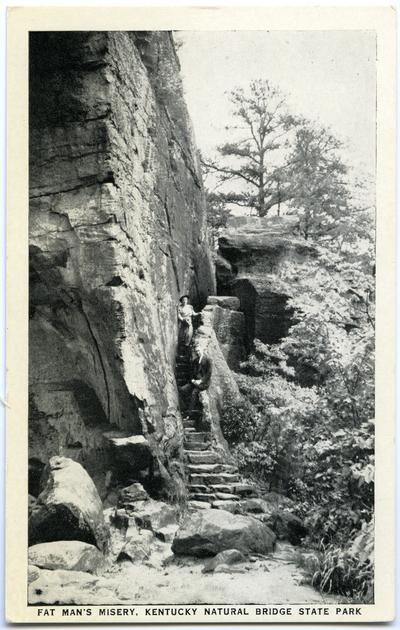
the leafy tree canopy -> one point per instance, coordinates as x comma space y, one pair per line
274, 161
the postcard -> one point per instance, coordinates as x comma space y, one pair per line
200, 308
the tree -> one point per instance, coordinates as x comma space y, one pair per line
316, 172
321, 191
256, 159
276, 159
217, 215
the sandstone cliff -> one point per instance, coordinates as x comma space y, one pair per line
117, 234
252, 262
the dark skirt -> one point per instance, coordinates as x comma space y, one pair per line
185, 333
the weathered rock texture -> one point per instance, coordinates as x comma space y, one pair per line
206, 533
251, 261
68, 555
223, 385
68, 507
117, 233
230, 328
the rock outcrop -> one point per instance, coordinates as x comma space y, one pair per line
223, 385
117, 234
229, 325
68, 507
252, 257
207, 532
68, 555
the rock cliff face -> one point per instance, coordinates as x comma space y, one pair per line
252, 256
117, 234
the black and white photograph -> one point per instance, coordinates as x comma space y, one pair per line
202, 281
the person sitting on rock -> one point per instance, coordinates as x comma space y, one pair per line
185, 315
201, 377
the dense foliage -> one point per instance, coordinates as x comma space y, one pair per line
306, 427
305, 423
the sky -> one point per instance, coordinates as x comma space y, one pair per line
329, 76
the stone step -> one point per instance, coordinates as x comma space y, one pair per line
198, 505
244, 489
189, 430
230, 506
199, 436
211, 468
196, 446
189, 424
223, 487
206, 468
225, 496
190, 451
202, 457
195, 488
210, 498
209, 479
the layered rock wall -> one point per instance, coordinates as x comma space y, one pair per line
230, 328
252, 262
117, 234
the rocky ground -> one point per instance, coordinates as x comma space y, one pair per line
258, 580
150, 552
166, 579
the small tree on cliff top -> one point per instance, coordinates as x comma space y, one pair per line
256, 159
275, 158
320, 193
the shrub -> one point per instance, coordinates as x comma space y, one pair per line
238, 419
347, 571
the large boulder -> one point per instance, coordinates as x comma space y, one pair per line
207, 532
68, 507
70, 555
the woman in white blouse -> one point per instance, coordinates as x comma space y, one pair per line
185, 314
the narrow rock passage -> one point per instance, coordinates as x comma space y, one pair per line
211, 482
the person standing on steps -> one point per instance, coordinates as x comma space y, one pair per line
201, 377
185, 315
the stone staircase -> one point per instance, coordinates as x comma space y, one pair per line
211, 482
